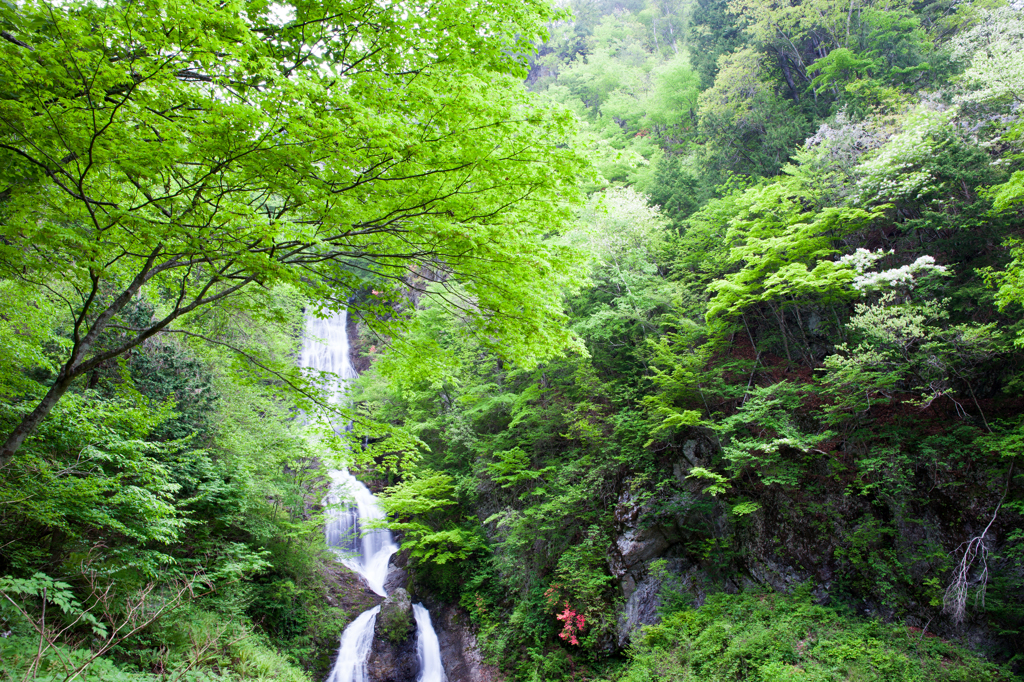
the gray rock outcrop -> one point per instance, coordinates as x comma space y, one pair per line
393, 654
460, 654
397, 579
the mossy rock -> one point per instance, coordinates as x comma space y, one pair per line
395, 622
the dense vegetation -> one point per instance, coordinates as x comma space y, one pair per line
742, 276
179, 183
800, 357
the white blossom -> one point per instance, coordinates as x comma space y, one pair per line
903, 167
862, 259
993, 48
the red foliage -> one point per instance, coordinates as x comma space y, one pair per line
573, 624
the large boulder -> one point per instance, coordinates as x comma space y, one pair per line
397, 579
393, 654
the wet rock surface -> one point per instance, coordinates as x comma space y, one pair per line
345, 596
390, 662
397, 579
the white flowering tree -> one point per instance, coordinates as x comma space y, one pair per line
908, 351
903, 276
903, 168
995, 79
782, 246
995, 60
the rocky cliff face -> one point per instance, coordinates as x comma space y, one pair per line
842, 544
646, 536
393, 654
460, 654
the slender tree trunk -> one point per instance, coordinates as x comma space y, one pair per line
803, 335
839, 325
784, 63
753, 345
31, 421
977, 405
781, 316
77, 364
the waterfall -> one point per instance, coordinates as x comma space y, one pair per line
326, 349
351, 505
428, 649
368, 556
355, 649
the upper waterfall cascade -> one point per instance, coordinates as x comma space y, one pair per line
351, 505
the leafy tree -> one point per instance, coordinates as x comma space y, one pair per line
782, 246
746, 124
908, 349
414, 506
765, 437
995, 69
715, 31
189, 154
676, 189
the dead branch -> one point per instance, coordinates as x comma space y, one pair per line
954, 602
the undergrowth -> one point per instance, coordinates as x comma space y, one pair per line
767, 637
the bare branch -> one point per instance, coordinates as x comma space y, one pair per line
954, 602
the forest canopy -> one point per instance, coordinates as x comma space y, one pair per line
192, 154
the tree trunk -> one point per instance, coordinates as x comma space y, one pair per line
31, 421
780, 315
784, 63
77, 365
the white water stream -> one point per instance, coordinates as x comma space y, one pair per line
428, 649
367, 553
355, 649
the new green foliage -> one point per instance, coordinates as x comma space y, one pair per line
193, 154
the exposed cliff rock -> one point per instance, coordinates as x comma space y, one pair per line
842, 545
360, 361
397, 579
460, 654
345, 595
642, 605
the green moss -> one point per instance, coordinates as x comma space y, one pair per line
395, 624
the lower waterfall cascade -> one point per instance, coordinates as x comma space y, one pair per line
428, 649
351, 506
356, 641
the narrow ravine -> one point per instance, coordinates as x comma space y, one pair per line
352, 505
